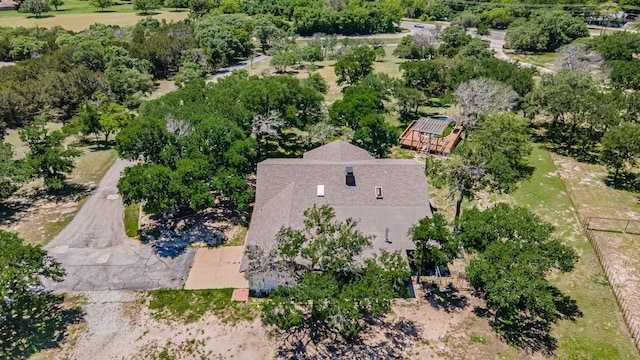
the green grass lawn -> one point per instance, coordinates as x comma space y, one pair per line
131, 214
190, 305
542, 59
601, 332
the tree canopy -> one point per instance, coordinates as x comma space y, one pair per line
355, 64
330, 290
196, 143
493, 157
516, 254
621, 147
435, 244
48, 158
23, 307
547, 30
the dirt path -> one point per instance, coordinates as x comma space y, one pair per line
98, 255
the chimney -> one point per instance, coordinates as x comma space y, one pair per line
350, 177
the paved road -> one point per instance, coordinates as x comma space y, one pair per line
240, 65
98, 255
495, 38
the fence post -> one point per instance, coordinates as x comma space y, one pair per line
626, 226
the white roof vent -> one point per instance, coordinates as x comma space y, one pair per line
320, 191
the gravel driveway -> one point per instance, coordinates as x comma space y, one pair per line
98, 255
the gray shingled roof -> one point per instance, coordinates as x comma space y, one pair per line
286, 187
430, 125
337, 151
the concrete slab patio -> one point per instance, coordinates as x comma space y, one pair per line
217, 268
97, 254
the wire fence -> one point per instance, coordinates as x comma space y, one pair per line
631, 317
624, 226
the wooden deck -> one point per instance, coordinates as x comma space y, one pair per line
424, 144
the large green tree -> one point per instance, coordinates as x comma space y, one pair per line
48, 157
435, 244
146, 5
621, 147
357, 102
35, 7
375, 135
493, 157
547, 30
331, 291
355, 64
516, 254
11, 173
24, 309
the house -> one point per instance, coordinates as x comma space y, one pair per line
9, 5
386, 196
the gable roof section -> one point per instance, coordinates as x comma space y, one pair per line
287, 187
337, 151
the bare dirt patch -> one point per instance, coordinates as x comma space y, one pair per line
119, 325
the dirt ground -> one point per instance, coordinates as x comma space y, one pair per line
119, 326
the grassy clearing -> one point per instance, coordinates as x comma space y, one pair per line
20, 148
131, 215
598, 333
390, 65
163, 87
78, 20
542, 59
190, 305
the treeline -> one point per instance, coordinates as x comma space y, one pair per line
60, 70
347, 17
500, 15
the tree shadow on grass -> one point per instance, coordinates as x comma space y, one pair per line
150, 13
69, 192
530, 333
11, 211
43, 329
381, 340
626, 181
43, 16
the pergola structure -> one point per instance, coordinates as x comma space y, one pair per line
425, 136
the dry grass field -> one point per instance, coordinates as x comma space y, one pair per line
81, 21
